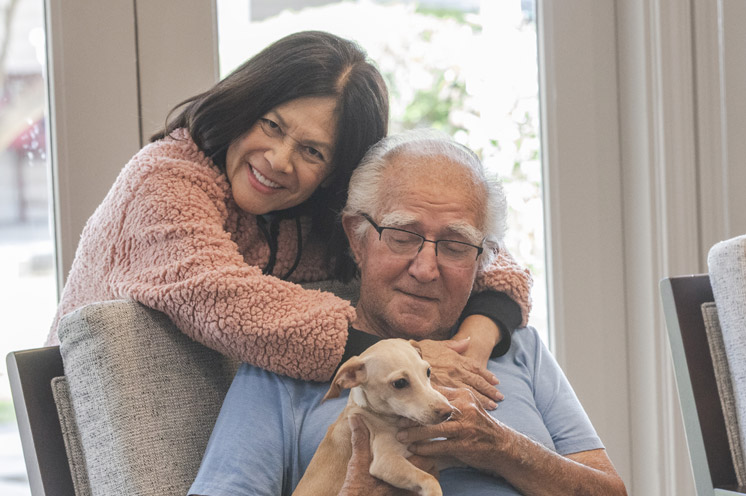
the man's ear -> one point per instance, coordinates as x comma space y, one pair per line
350, 374
349, 223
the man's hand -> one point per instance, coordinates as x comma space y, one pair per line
471, 435
450, 368
358, 480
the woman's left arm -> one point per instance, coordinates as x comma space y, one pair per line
483, 334
488, 321
505, 275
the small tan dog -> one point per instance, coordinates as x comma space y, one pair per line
388, 381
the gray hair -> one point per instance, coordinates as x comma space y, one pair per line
364, 195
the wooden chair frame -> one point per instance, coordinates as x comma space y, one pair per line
30, 373
702, 411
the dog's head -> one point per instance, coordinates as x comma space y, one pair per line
392, 379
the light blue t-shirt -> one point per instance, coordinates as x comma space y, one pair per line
270, 426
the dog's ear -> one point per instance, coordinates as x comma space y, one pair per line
416, 346
349, 375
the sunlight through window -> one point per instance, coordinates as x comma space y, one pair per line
468, 68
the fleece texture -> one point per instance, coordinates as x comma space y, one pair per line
169, 235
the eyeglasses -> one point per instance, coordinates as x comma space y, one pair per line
308, 154
407, 244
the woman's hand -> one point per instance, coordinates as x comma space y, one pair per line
450, 368
359, 481
471, 435
483, 335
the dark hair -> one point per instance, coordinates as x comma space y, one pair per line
305, 64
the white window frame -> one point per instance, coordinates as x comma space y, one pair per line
115, 70
642, 159
583, 211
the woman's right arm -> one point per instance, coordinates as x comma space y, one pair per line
174, 255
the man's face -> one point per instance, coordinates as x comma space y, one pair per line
417, 297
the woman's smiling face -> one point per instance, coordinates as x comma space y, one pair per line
284, 157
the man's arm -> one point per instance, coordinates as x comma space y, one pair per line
250, 449
475, 438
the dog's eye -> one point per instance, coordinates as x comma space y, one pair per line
428, 372
400, 383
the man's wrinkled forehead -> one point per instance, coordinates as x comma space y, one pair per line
432, 176
454, 229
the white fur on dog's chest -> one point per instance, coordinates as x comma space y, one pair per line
387, 382
382, 430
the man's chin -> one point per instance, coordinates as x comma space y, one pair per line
417, 328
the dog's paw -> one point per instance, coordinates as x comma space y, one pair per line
430, 487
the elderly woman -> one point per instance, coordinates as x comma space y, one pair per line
235, 202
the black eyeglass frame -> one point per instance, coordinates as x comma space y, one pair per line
380, 229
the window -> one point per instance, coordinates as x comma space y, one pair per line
468, 68
28, 295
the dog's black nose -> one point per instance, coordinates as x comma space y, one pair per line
444, 413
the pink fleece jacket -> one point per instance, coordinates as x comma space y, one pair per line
169, 235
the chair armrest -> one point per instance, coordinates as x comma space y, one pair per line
730, 492
145, 397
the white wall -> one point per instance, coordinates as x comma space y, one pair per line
681, 86
643, 123
94, 117
720, 79
115, 69
659, 183
583, 208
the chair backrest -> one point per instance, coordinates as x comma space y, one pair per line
726, 262
702, 411
135, 408
144, 395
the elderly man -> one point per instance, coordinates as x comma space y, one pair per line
422, 220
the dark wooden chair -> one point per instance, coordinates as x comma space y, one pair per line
30, 373
704, 421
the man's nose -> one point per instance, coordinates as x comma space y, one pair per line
424, 266
280, 157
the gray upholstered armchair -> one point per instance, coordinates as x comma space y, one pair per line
125, 405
